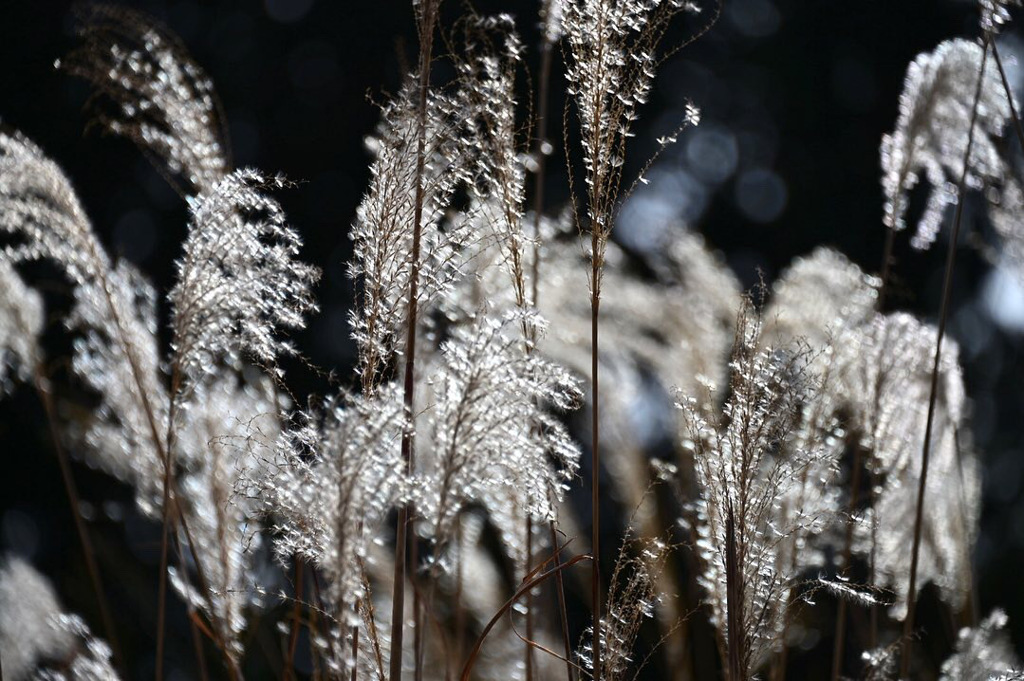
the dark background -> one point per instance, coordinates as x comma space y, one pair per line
795, 96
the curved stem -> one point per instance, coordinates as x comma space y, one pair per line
539, 579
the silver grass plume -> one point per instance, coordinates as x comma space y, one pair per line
888, 380
881, 664
219, 444
37, 639
239, 282
488, 435
610, 66
983, 653
818, 298
118, 357
329, 485
761, 466
114, 308
931, 134
21, 322
91, 659
632, 599
498, 182
28, 602
160, 98
880, 371
382, 232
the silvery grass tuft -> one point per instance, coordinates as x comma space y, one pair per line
153, 93
936, 99
764, 467
807, 423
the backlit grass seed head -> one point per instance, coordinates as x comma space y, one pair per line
931, 134
158, 96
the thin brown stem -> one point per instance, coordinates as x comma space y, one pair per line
42, 388
293, 641
162, 589
595, 458
840, 628
355, 649
734, 603
197, 643
528, 649
540, 156
947, 287
560, 591
398, 600
419, 626
426, 18
467, 669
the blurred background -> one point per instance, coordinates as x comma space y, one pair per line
795, 97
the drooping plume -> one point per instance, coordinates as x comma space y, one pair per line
114, 309
931, 134
818, 298
157, 96
983, 653
239, 282
888, 379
